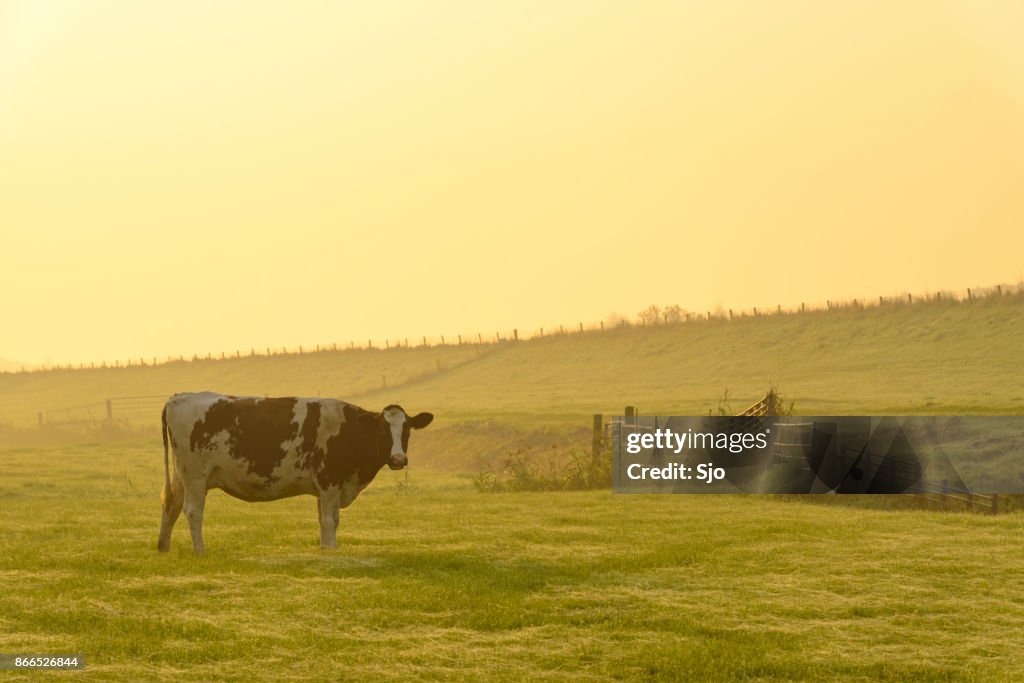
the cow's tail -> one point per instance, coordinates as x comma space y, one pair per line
167, 466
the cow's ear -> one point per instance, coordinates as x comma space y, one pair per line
420, 421
368, 419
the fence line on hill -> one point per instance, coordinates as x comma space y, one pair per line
652, 317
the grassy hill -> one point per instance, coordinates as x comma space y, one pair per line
935, 357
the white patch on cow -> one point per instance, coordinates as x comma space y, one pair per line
331, 416
396, 420
291, 446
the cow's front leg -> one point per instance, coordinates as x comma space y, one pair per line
328, 507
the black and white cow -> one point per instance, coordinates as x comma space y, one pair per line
259, 449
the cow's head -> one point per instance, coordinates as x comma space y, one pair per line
392, 427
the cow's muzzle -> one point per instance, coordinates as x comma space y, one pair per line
397, 462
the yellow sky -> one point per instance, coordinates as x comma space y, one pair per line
193, 176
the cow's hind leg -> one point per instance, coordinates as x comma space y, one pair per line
195, 501
170, 502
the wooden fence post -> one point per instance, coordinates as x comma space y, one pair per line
110, 409
595, 447
995, 503
515, 334
630, 415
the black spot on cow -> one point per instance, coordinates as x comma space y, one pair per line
256, 429
354, 450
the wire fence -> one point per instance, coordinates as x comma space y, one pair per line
652, 316
132, 409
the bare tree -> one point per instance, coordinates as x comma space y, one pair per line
673, 314
650, 315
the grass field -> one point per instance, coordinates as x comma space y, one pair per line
433, 580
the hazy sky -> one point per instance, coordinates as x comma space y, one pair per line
202, 176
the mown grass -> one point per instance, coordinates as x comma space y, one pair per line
434, 581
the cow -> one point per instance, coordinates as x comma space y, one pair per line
261, 449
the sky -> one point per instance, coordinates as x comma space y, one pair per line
194, 177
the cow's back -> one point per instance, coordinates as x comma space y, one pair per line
253, 448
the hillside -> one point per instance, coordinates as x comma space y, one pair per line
936, 357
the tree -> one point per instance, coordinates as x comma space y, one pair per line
650, 315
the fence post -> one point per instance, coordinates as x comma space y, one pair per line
515, 334
802, 307
999, 289
879, 301
630, 415
910, 298
595, 448
969, 297
110, 409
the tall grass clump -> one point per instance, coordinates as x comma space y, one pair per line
524, 470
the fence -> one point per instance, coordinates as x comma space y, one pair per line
650, 317
135, 409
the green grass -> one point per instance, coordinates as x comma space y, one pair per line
433, 580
